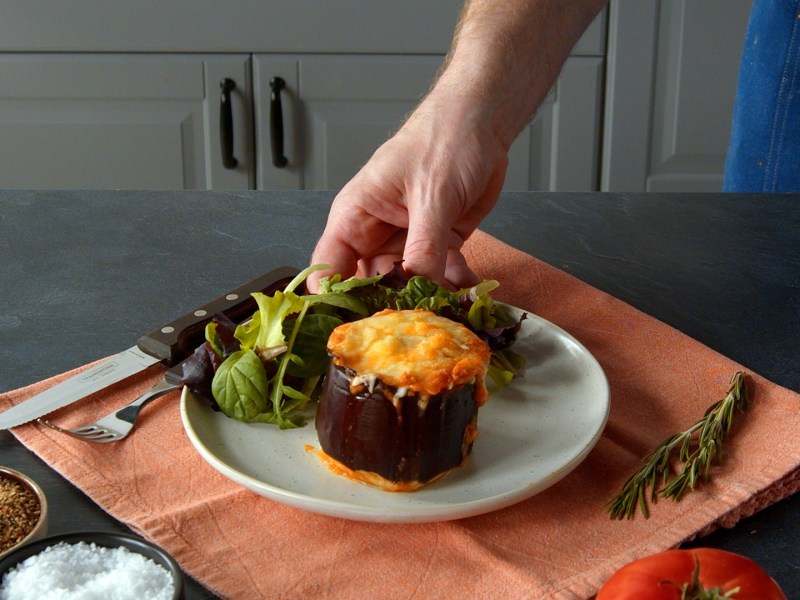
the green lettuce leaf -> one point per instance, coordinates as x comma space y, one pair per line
310, 348
272, 310
240, 386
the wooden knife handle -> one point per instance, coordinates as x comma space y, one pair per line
173, 342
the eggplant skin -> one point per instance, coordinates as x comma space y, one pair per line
399, 438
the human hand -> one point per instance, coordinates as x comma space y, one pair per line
418, 199
425, 191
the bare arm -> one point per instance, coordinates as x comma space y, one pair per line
507, 54
426, 189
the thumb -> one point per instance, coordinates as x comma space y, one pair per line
425, 251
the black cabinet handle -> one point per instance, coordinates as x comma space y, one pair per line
226, 123
276, 122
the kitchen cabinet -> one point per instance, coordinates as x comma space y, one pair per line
105, 95
338, 109
153, 121
120, 121
671, 83
119, 95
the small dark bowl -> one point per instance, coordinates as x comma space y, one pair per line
104, 539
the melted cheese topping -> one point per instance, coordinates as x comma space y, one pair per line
414, 350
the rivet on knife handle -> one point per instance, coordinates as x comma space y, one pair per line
173, 342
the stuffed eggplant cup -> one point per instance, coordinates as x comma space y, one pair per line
400, 402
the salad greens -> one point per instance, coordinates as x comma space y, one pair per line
268, 368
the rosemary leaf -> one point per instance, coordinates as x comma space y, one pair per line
698, 449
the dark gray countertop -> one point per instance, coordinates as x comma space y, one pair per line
84, 274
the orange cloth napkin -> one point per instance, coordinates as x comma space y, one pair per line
558, 544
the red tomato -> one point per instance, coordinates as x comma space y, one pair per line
663, 576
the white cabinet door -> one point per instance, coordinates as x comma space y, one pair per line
121, 121
673, 67
338, 109
560, 149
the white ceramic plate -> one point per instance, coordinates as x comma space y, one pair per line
531, 435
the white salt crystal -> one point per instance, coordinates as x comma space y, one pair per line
87, 572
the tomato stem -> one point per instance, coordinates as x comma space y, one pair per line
694, 590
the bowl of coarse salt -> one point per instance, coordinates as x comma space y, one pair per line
23, 510
90, 565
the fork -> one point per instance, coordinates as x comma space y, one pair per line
119, 424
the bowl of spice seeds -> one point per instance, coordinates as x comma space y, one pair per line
23, 510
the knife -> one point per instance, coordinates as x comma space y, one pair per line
169, 344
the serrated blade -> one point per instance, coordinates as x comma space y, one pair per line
103, 374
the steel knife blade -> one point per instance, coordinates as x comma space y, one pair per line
169, 344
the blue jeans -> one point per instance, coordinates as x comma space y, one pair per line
764, 147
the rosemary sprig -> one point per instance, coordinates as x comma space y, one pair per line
697, 453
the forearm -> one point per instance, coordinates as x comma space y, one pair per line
426, 189
505, 57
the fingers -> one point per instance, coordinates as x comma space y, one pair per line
425, 251
339, 257
457, 273
385, 257
347, 262
433, 211
343, 260
428, 246
356, 241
